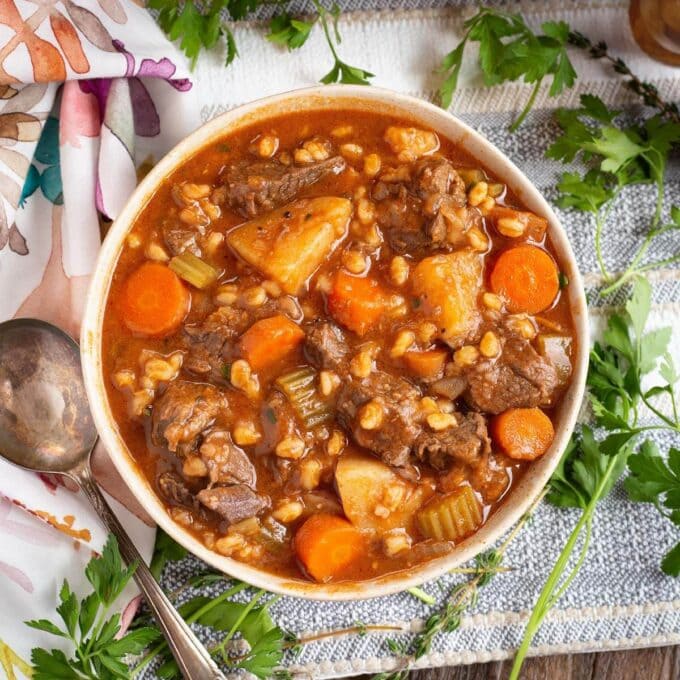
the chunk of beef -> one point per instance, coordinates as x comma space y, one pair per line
408, 240
180, 240
208, 342
234, 503
395, 437
326, 346
436, 181
174, 489
255, 188
183, 412
226, 462
518, 378
467, 443
434, 190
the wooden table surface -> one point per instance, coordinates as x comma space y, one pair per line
659, 663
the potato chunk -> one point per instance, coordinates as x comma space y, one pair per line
411, 143
448, 286
290, 243
374, 496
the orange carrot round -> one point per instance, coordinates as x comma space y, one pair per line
357, 302
527, 277
427, 364
269, 340
154, 300
523, 433
326, 545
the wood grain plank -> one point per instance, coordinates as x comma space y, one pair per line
658, 663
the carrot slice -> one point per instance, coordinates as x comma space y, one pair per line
428, 364
527, 277
535, 226
327, 544
523, 433
154, 300
357, 302
269, 340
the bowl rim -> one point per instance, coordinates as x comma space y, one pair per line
347, 97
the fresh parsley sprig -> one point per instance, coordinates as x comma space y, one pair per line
293, 33
508, 51
620, 368
617, 156
199, 26
97, 654
341, 71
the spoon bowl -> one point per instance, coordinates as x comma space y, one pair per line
45, 421
46, 426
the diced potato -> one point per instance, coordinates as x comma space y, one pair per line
451, 518
448, 286
411, 143
289, 244
374, 496
557, 349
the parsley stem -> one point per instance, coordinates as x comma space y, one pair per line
575, 569
324, 24
520, 119
552, 588
660, 263
659, 201
672, 425
673, 404
246, 610
422, 596
599, 224
600, 221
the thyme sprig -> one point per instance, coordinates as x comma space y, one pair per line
646, 91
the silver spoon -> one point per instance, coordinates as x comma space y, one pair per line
46, 426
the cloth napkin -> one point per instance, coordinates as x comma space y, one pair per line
88, 90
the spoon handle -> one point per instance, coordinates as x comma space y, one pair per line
193, 659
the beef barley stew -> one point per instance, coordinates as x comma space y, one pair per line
333, 343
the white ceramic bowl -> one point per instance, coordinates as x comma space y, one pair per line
320, 98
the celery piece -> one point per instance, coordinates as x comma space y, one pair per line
451, 518
300, 388
193, 270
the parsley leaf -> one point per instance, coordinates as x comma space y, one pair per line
583, 475
508, 51
290, 32
655, 480
195, 28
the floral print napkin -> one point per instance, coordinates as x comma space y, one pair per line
88, 91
